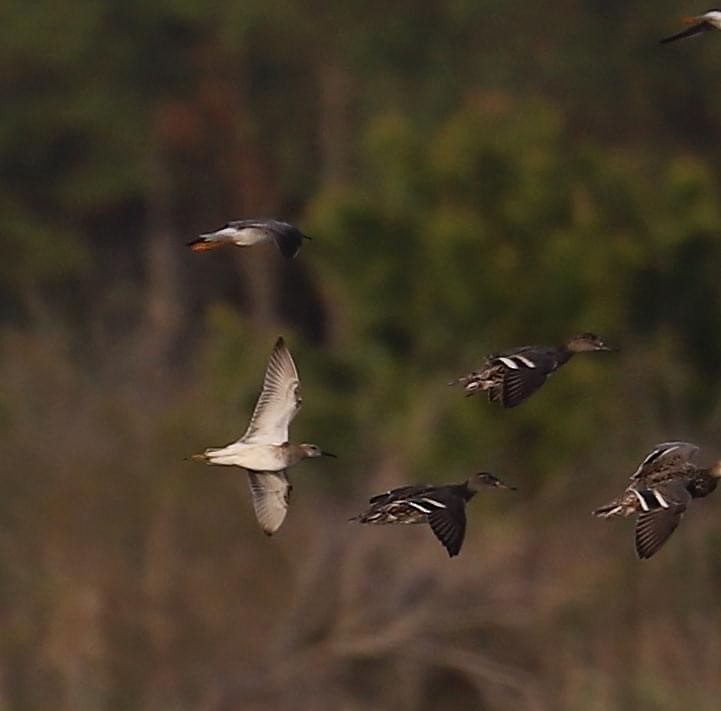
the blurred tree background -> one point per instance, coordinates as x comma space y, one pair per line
475, 175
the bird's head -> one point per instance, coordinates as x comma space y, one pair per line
478, 481
313, 450
587, 342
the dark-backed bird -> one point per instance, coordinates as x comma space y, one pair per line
697, 25
264, 450
512, 376
442, 507
246, 233
660, 491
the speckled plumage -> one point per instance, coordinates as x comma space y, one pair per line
659, 491
442, 507
511, 377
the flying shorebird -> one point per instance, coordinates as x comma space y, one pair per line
442, 507
697, 25
514, 375
245, 233
264, 449
659, 492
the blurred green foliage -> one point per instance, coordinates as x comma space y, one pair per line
475, 176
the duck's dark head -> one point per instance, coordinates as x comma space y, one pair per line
586, 342
478, 481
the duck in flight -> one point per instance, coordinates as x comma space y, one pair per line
659, 492
264, 450
697, 25
442, 507
246, 233
512, 376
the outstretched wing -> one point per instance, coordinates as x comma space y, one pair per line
691, 31
279, 400
664, 458
519, 384
270, 492
655, 527
289, 240
449, 525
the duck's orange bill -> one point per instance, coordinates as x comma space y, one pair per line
203, 246
689, 20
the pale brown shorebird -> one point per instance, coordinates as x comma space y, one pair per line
264, 450
246, 233
443, 508
514, 375
659, 491
697, 25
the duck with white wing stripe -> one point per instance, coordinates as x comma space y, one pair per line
659, 492
512, 376
442, 507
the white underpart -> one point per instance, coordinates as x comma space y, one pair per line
713, 18
226, 232
244, 237
258, 457
433, 502
641, 500
509, 363
660, 499
251, 235
526, 362
262, 448
418, 507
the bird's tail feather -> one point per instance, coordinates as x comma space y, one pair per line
609, 510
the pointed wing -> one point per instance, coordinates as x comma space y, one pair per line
692, 31
289, 241
519, 384
449, 525
665, 457
279, 400
654, 527
270, 492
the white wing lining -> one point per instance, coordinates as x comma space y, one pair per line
279, 400
270, 492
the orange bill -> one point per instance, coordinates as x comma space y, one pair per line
200, 245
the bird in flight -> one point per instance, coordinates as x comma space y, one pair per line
512, 376
442, 507
246, 233
264, 450
659, 492
697, 25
